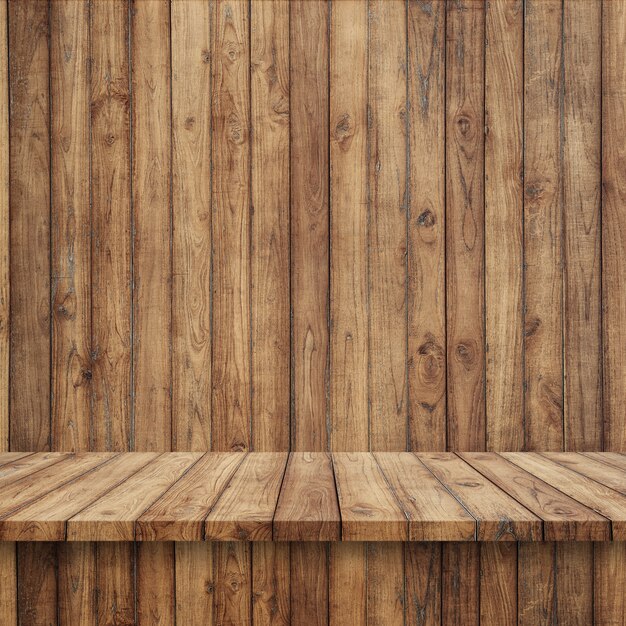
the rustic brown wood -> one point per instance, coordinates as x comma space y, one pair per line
11, 472
115, 584
245, 509
37, 583
5, 239
498, 583
465, 221
422, 572
307, 507
347, 583
385, 583
76, 583
504, 325
269, 253
271, 589
194, 583
610, 458
460, 590
536, 584
8, 582
609, 600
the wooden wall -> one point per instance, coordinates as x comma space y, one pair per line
272, 225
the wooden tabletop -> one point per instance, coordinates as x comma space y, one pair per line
302, 496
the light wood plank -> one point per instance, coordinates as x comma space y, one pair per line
180, 513
270, 224
387, 102
536, 584
11, 472
307, 508
111, 226
588, 492
76, 564
155, 584
194, 582
610, 458
574, 583
309, 222
426, 226
498, 583
434, 514
112, 517
368, 506
564, 519
543, 208
233, 583
499, 516
309, 571
10, 457
245, 508
45, 519
609, 606
271, 583
347, 579
465, 224
422, 572
504, 323
29, 205
385, 583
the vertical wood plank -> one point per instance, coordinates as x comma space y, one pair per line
191, 214
613, 223
150, 41
4, 229
111, 225
465, 215
543, 373
231, 224
609, 583
8, 583
269, 67
115, 583
574, 583
349, 227
460, 585
347, 584
385, 584
422, 570
498, 583
233, 586
309, 222
155, 583
426, 226
77, 583
582, 179
388, 227
271, 584
29, 381
70, 225
37, 583
536, 584
504, 325
309, 583
195, 590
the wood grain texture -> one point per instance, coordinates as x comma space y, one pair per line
388, 224
347, 576
194, 583
29, 205
465, 224
155, 584
37, 583
582, 179
536, 584
543, 209
426, 226
76, 583
385, 584
498, 583
422, 573
270, 224
609, 606
460, 584
307, 508
504, 326
115, 583
151, 183
271, 583
233, 583
613, 224
70, 220
309, 574
8, 583
308, 49
111, 288
191, 222
22, 467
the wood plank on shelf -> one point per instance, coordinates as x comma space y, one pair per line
10, 472
112, 517
369, 508
180, 513
433, 513
45, 518
499, 516
307, 508
610, 458
245, 509
564, 519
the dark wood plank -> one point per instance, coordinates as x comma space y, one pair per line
564, 519
385, 583
504, 322
233, 583
368, 506
307, 508
155, 584
8, 578
422, 572
112, 517
465, 224
498, 583
574, 583
115, 583
347, 577
45, 518
387, 171
271, 583
598, 497
460, 584
37, 583
111, 226
29, 203
270, 94
426, 226
245, 509
433, 513
609, 574
613, 224
76, 564
180, 513
194, 582
543, 210
499, 516
309, 221
5, 238
309, 575
537, 600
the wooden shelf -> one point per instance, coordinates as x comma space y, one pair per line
307, 496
